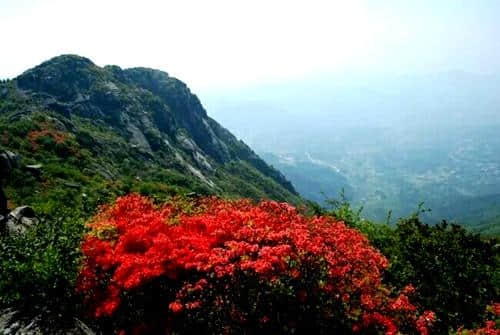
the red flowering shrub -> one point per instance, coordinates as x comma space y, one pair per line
35, 135
220, 266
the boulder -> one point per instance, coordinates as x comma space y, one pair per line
8, 161
35, 169
13, 322
21, 219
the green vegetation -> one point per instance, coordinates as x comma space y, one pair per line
39, 269
456, 273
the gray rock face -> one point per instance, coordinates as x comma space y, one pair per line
138, 139
8, 162
21, 219
11, 323
63, 77
101, 170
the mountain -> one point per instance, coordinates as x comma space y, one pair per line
87, 133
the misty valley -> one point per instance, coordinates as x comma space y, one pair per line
390, 143
455, 173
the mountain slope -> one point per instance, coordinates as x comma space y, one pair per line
102, 131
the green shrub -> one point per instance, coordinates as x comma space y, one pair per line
455, 272
38, 269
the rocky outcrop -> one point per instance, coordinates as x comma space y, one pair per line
20, 220
12, 322
152, 116
8, 161
63, 77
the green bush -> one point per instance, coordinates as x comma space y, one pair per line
456, 273
381, 235
38, 268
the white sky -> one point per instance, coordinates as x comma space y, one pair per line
214, 43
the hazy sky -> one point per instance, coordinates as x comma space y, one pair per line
224, 43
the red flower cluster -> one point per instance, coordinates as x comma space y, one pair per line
58, 136
425, 321
204, 249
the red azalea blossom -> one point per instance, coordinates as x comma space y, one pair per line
496, 309
408, 290
193, 305
264, 319
176, 307
425, 322
205, 251
58, 136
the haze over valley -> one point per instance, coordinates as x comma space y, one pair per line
389, 142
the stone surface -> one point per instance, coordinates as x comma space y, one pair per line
20, 219
13, 323
8, 161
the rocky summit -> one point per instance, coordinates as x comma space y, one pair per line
97, 132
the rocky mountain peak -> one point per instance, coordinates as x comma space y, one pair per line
63, 77
144, 116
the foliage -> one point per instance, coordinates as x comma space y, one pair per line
220, 266
456, 272
382, 236
490, 327
39, 268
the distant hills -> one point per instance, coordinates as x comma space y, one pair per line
395, 141
103, 131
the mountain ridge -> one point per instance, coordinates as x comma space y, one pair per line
138, 122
